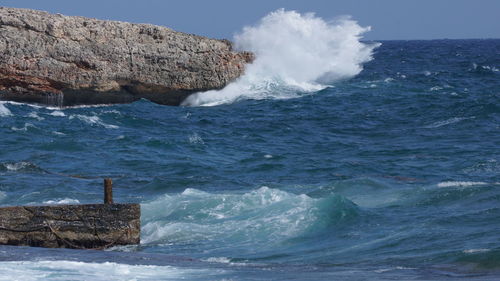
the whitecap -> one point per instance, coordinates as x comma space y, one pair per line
93, 120
474, 251
17, 165
57, 113
195, 139
492, 68
484, 67
80, 106
401, 75
21, 104
218, 260
224, 260
461, 183
62, 201
112, 111
35, 116
382, 270
24, 128
75, 270
4, 111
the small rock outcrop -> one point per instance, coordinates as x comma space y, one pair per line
92, 226
62, 60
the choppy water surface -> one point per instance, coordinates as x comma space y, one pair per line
391, 174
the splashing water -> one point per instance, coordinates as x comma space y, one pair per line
294, 54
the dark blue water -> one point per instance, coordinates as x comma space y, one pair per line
391, 175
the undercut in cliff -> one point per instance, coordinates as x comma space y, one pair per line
62, 60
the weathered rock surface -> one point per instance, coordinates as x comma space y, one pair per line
90, 226
63, 60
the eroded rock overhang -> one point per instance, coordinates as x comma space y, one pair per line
61, 60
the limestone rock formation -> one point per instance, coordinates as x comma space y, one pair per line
63, 60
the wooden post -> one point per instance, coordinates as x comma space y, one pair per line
108, 191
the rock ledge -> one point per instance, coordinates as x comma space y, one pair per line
62, 60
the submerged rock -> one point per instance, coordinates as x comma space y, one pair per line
63, 60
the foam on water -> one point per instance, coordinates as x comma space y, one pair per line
21, 104
195, 139
475, 66
57, 113
62, 201
474, 251
295, 54
93, 120
447, 122
35, 115
16, 166
74, 270
25, 128
460, 183
4, 111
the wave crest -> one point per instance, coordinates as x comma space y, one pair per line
264, 217
295, 54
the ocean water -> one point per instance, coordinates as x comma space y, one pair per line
331, 159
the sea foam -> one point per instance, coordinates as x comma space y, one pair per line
4, 111
295, 53
62, 201
93, 120
460, 183
75, 270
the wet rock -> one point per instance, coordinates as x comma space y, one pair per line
93, 226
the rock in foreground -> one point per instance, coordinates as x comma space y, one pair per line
92, 226
62, 60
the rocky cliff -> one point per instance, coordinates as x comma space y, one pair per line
62, 60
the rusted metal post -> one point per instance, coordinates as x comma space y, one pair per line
108, 191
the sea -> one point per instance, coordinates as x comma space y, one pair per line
331, 158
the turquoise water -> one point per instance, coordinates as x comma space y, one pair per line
392, 174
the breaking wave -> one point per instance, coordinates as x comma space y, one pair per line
264, 217
295, 54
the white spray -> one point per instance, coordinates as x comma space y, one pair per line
295, 54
